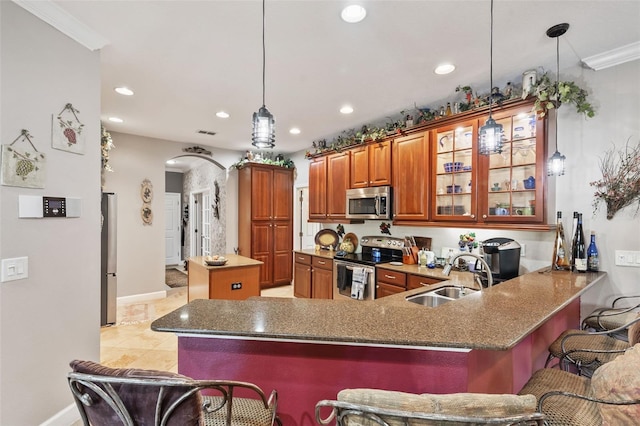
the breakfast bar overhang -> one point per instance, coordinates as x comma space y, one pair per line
308, 350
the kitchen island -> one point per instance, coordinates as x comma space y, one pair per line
309, 349
238, 279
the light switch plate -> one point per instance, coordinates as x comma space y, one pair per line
16, 268
628, 258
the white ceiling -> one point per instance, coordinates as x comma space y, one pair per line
186, 60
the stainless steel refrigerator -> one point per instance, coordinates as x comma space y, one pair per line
108, 269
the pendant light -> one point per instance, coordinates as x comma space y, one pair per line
490, 137
264, 134
555, 164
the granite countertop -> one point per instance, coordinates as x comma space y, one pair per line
496, 318
233, 261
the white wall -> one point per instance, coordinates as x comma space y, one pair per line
615, 92
52, 316
141, 248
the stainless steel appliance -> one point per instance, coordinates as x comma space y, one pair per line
108, 265
369, 203
375, 250
503, 255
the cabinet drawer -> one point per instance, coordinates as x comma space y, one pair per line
322, 262
302, 258
392, 277
417, 281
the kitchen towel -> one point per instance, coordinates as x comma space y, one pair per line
358, 283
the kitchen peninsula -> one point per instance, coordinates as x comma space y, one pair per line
309, 349
237, 279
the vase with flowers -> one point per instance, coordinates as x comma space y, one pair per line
468, 241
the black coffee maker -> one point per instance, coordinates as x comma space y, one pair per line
503, 255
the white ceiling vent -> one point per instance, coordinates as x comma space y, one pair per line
206, 132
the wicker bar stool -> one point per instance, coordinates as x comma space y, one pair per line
588, 350
614, 316
136, 397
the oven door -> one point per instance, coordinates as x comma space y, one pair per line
353, 281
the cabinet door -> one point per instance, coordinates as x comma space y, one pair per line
384, 290
282, 207
418, 281
338, 182
511, 186
380, 163
318, 188
322, 284
262, 238
302, 280
360, 167
453, 172
262, 191
282, 252
410, 177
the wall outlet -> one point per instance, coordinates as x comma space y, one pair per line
16, 268
523, 250
236, 286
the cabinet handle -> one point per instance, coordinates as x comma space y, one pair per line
424, 284
301, 258
321, 262
484, 216
473, 216
391, 277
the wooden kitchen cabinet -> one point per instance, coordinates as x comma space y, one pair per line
338, 181
419, 281
318, 188
371, 165
302, 276
321, 278
389, 282
411, 177
265, 220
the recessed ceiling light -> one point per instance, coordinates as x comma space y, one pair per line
444, 69
222, 114
347, 109
124, 91
116, 120
353, 13
294, 131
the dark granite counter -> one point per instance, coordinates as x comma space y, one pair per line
494, 319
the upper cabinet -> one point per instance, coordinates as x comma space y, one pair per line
318, 188
411, 177
338, 181
371, 165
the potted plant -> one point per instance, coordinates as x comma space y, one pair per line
548, 96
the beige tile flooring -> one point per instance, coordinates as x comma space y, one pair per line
130, 343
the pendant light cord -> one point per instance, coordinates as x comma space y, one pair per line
263, 53
557, 87
491, 63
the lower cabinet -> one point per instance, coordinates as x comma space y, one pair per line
390, 282
418, 281
313, 277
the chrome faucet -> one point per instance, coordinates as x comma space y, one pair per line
485, 266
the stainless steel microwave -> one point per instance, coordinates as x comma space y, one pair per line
369, 203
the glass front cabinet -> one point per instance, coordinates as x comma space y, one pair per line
505, 187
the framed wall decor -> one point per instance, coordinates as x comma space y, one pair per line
146, 193
66, 131
23, 166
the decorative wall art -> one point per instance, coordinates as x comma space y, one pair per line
66, 131
216, 200
23, 167
146, 193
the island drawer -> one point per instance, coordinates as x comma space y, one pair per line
322, 262
418, 281
302, 258
392, 277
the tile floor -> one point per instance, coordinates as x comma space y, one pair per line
131, 343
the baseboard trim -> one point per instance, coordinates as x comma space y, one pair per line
65, 417
145, 297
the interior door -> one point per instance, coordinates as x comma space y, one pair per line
172, 229
306, 231
206, 224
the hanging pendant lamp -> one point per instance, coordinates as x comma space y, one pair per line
264, 133
490, 135
555, 164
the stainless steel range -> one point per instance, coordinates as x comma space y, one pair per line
354, 275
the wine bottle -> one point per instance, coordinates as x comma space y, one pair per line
579, 248
448, 110
593, 263
560, 255
574, 224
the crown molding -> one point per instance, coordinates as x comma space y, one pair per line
64, 22
617, 56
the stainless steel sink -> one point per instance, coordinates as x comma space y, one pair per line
439, 296
429, 300
453, 292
